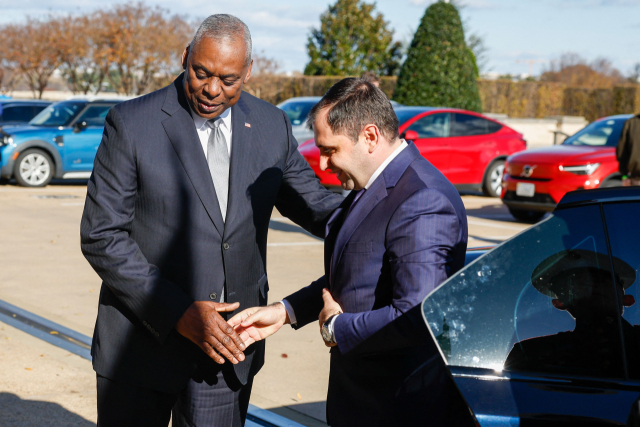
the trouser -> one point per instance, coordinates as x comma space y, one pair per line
214, 400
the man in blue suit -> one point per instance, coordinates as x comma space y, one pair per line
175, 223
397, 236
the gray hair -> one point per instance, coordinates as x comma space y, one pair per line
224, 27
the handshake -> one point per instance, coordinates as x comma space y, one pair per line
220, 339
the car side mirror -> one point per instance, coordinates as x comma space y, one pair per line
79, 126
410, 135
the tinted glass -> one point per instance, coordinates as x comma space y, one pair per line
404, 115
94, 115
624, 233
60, 114
490, 315
467, 125
17, 113
603, 133
432, 126
297, 110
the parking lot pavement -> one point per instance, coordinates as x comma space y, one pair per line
42, 270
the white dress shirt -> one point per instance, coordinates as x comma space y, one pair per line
376, 174
203, 128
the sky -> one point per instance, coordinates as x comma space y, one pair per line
520, 35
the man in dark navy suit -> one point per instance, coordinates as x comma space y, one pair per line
175, 223
399, 234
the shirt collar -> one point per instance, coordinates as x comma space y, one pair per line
386, 162
200, 122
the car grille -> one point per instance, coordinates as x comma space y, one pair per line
511, 196
540, 172
522, 178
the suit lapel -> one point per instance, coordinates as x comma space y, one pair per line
240, 161
371, 197
331, 231
184, 138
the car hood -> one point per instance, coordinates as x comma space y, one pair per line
562, 154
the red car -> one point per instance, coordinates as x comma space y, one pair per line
535, 180
468, 148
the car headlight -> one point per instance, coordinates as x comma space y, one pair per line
582, 169
6, 140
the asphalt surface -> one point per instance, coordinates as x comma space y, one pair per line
43, 271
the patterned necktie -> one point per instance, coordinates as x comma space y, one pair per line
218, 160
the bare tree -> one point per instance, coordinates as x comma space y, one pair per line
573, 70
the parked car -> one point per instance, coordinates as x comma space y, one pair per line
535, 180
298, 109
60, 142
20, 111
468, 148
542, 330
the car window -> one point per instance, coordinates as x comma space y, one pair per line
600, 133
95, 115
517, 307
60, 114
624, 234
297, 111
467, 125
17, 113
432, 126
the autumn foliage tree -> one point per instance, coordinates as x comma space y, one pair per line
573, 70
352, 40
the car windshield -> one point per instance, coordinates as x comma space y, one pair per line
60, 114
540, 302
297, 110
600, 133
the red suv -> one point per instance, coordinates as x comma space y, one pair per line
468, 148
535, 180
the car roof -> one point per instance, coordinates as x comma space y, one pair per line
599, 195
25, 101
617, 117
303, 98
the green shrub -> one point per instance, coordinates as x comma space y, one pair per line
440, 70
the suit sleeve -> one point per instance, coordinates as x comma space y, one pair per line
421, 237
106, 241
307, 303
301, 197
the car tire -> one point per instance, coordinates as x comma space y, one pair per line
492, 185
530, 217
33, 168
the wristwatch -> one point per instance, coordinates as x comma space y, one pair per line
327, 334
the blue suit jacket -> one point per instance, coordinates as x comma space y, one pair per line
153, 231
403, 237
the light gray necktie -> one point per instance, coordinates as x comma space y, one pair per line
218, 160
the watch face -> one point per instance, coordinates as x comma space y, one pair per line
326, 335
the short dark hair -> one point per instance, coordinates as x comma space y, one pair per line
354, 103
225, 27
370, 77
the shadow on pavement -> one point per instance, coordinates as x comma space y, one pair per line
289, 228
16, 412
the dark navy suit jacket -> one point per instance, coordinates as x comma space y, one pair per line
405, 235
153, 231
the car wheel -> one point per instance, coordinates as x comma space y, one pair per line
526, 216
492, 185
34, 168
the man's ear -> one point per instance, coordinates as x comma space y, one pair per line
248, 76
185, 57
371, 136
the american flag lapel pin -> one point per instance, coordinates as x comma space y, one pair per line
248, 125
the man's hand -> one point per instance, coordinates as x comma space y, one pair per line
202, 324
257, 323
331, 307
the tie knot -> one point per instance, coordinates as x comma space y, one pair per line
215, 123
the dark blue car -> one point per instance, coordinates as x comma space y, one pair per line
20, 111
543, 329
60, 142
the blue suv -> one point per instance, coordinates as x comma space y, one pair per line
60, 142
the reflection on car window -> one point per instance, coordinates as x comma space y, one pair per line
601, 133
624, 234
468, 125
60, 114
432, 126
297, 111
521, 306
95, 115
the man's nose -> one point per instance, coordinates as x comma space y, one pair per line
324, 162
213, 87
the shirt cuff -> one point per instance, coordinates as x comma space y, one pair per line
290, 312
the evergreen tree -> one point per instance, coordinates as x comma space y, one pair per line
440, 69
350, 41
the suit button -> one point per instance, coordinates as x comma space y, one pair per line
225, 246
157, 334
144, 322
213, 295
